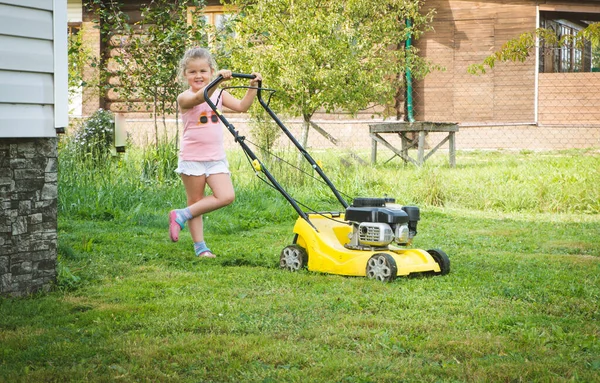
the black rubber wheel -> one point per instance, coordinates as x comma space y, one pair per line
293, 258
382, 266
441, 258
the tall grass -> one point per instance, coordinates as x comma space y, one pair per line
529, 182
117, 186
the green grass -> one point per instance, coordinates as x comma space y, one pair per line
520, 304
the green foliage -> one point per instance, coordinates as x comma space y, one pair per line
327, 55
144, 70
592, 34
119, 188
78, 57
264, 130
142, 181
520, 48
433, 191
513, 50
65, 279
151, 51
95, 136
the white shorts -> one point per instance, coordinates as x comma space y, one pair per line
202, 168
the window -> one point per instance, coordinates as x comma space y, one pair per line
216, 18
569, 54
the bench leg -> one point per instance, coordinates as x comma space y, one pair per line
452, 149
405, 145
421, 147
373, 151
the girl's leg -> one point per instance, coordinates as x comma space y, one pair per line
222, 195
194, 189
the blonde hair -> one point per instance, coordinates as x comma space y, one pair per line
192, 54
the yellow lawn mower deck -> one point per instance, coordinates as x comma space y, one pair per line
325, 247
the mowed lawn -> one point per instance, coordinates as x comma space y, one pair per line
521, 302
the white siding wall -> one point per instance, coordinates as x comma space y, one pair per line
33, 67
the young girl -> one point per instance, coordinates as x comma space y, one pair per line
202, 157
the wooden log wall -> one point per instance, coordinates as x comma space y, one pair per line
569, 98
111, 100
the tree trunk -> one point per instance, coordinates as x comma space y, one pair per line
155, 121
304, 136
304, 132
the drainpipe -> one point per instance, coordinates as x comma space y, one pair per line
536, 80
409, 85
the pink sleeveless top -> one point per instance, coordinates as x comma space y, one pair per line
202, 138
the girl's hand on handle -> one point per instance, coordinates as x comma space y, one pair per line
244, 104
255, 80
225, 73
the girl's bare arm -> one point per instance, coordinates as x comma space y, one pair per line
188, 99
244, 104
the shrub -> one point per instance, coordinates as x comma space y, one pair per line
95, 137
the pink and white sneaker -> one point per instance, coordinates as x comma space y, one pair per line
174, 226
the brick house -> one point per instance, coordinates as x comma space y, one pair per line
81, 19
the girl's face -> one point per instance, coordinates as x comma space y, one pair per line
198, 74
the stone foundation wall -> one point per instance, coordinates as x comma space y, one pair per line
28, 215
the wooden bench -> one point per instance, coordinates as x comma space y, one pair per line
403, 129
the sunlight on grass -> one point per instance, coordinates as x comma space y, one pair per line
520, 304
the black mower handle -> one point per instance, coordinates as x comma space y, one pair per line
248, 151
243, 75
219, 78
242, 140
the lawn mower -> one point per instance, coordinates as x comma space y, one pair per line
371, 237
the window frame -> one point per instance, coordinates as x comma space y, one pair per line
573, 55
211, 12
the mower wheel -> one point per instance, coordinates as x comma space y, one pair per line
382, 266
441, 258
293, 258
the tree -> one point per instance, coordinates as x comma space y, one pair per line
79, 56
146, 54
327, 54
521, 47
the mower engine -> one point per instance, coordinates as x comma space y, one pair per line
377, 222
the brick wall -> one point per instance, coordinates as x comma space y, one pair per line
28, 221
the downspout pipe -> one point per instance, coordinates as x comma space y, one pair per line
409, 85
